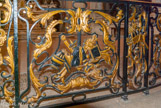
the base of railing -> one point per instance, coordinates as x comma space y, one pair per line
100, 98
146, 92
124, 97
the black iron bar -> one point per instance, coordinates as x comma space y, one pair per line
147, 51
16, 68
79, 38
125, 52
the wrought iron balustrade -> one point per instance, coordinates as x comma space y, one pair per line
84, 57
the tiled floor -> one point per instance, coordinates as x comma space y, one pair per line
138, 100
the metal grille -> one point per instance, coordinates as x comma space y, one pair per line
108, 52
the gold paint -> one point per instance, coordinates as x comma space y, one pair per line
77, 83
137, 35
2, 37
37, 85
79, 20
90, 43
1, 59
63, 38
159, 22
57, 61
43, 17
68, 57
8, 94
133, 14
10, 58
39, 49
48, 42
80, 55
105, 27
156, 59
7, 11
111, 18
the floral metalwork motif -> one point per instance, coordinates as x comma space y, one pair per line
6, 62
88, 60
137, 64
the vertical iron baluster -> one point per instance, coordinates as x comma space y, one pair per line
79, 38
118, 45
152, 35
16, 75
147, 51
124, 97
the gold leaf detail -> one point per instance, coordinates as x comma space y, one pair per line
8, 94
43, 17
9, 58
48, 42
2, 37
7, 13
79, 20
37, 85
111, 18
77, 84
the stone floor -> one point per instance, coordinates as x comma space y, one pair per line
138, 100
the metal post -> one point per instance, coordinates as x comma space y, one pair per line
147, 52
124, 97
79, 38
16, 75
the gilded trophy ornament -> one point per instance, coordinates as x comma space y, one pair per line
86, 59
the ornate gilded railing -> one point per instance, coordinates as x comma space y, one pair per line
85, 57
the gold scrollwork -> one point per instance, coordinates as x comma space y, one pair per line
10, 58
48, 42
43, 17
38, 51
111, 18
8, 94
